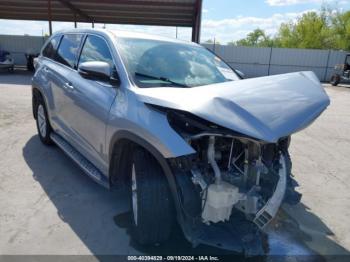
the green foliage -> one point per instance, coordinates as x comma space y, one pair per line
256, 38
341, 29
309, 31
327, 29
210, 41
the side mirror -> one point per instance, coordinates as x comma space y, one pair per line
240, 73
97, 70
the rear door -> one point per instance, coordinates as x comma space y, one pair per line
61, 86
43, 74
90, 101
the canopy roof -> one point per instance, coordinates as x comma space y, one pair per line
184, 13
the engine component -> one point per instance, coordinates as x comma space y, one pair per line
220, 196
211, 159
233, 173
197, 179
220, 199
249, 204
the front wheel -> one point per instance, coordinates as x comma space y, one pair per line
335, 79
152, 206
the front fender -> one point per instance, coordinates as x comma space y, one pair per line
127, 135
128, 115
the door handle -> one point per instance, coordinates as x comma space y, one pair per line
68, 86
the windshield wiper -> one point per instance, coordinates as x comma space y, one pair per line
164, 79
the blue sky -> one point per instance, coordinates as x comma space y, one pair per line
225, 20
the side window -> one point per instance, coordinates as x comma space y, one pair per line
51, 47
68, 50
95, 49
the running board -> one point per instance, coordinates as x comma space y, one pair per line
79, 159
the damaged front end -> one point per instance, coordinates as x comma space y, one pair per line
232, 188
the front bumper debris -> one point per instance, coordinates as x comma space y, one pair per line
269, 211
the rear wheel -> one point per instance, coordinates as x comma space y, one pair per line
335, 79
42, 122
151, 202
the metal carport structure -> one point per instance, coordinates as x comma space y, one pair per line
180, 13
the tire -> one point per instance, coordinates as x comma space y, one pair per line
151, 201
42, 122
292, 197
335, 79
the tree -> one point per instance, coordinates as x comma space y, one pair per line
256, 38
210, 41
341, 30
327, 29
309, 31
287, 36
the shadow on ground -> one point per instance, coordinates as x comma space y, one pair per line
101, 218
347, 85
18, 77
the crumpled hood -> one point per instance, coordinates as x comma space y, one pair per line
265, 108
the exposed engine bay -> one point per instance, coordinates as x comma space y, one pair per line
237, 174
231, 169
232, 173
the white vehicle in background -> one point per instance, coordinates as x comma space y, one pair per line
6, 61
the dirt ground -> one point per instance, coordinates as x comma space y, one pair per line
48, 206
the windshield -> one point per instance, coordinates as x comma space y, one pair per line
155, 63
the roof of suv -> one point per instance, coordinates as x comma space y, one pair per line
129, 34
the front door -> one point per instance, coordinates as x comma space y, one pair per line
90, 102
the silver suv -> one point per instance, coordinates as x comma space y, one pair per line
173, 122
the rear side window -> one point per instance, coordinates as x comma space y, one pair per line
51, 47
68, 50
95, 49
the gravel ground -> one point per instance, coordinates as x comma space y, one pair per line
47, 205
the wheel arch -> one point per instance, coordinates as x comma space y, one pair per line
36, 93
121, 146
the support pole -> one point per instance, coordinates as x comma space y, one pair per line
214, 45
75, 20
327, 65
49, 16
268, 70
93, 24
196, 28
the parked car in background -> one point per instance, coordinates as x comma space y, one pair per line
6, 61
342, 72
30, 57
178, 126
